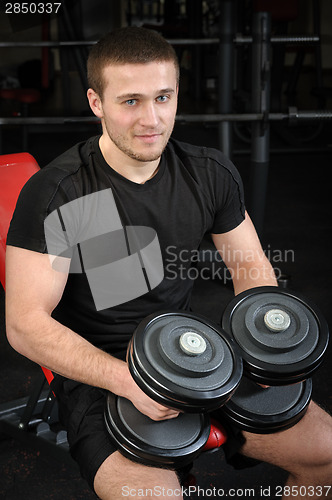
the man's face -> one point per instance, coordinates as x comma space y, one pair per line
138, 108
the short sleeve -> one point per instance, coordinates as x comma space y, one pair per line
38, 197
229, 196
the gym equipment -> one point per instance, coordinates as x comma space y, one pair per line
183, 361
172, 443
16, 169
28, 419
267, 410
228, 37
281, 336
282, 339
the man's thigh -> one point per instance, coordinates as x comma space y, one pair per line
119, 477
308, 443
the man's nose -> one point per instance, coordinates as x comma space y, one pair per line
149, 116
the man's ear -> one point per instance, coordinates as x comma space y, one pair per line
95, 103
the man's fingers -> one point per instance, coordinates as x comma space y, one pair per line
160, 412
166, 413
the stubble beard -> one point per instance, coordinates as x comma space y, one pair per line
121, 143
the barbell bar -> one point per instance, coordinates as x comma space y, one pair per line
294, 116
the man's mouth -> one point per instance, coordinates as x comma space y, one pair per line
148, 138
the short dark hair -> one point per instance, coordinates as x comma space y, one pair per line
129, 45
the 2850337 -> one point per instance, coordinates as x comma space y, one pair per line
32, 7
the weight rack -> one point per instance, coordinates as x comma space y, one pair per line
261, 41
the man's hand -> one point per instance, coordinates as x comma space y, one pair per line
151, 408
142, 402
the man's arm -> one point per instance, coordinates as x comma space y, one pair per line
33, 290
243, 255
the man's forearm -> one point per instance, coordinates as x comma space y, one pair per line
45, 341
246, 275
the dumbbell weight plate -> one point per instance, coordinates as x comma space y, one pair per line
282, 338
172, 443
267, 410
184, 362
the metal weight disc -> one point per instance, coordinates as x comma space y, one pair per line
184, 362
264, 411
171, 444
282, 338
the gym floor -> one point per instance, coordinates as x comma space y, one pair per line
297, 239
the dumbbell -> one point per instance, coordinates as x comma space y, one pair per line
184, 362
282, 340
267, 410
170, 444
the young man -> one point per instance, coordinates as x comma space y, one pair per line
75, 313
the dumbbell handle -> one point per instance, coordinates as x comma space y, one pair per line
217, 437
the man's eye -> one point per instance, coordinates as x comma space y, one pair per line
162, 98
131, 102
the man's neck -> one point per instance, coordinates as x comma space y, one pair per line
133, 170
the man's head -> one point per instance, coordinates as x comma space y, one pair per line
130, 45
133, 77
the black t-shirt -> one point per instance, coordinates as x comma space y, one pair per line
195, 191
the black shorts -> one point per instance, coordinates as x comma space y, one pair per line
81, 412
